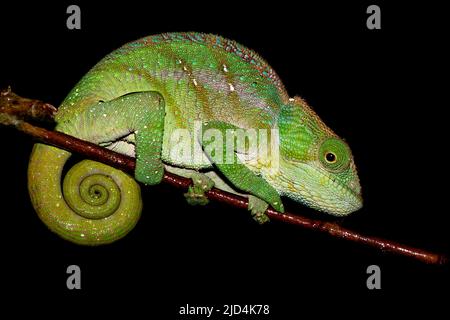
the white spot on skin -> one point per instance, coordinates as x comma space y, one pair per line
217, 81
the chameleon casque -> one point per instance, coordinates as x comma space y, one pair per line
134, 101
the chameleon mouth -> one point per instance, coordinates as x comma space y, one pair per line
341, 200
336, 198
353, 202
320, 191
336, 204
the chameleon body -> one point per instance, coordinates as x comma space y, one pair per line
141, 96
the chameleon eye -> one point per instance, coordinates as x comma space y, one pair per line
330, 157
334, 154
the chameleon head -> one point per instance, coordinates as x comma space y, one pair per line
316, 167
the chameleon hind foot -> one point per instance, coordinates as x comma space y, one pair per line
196, 192
257, 207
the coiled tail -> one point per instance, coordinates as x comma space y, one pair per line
95, 204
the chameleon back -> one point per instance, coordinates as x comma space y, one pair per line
200, 76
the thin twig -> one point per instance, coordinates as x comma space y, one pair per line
14, 108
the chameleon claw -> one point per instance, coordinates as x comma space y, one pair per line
196, 192
258, 207
194, 197
261, 218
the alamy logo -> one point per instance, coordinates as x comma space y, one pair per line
374, 280
374, 20
74, 20
74, 279
225, 146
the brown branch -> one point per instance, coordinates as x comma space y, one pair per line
14, 108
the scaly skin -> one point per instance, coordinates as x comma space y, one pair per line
138, 97
73, 222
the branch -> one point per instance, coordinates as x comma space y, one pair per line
14, 109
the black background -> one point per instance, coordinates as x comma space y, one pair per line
382, 90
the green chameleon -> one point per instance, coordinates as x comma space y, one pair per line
155, 95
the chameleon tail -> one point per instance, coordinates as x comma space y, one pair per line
96, 204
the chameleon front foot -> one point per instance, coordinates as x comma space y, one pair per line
258, 207
196, 193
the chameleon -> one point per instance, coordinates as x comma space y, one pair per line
142, 95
